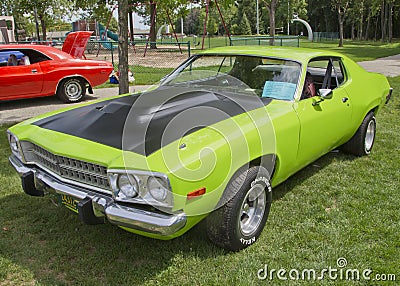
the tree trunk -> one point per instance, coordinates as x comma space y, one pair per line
131, 28
368, 24
43, 24
353, 35
326, 24
361, 22
271, 13
390, 23
123, 65
36, 24
341, 20
153, 35
383, 21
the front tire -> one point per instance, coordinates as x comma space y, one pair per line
238, 223
362, 142
71, 90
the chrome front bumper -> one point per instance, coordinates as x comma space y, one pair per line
97, 206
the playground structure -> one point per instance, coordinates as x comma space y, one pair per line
167, 26
159, 32
100, 33
105, 33
7, 28
309, 30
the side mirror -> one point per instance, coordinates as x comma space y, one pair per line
325, 93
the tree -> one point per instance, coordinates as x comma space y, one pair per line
191, 23
387, 20
97, 10
156, 12
341, 6
123, 66
244, 27
390, 20
46, 10
248, 8
271, 7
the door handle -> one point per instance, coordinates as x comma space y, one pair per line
344, 99
34, 71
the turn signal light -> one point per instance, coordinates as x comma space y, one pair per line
196, 193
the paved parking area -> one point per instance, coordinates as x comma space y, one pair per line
389, 66
18, 110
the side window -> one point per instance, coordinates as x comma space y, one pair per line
340, 75
21, 57
11, 58
35, 56
323, 73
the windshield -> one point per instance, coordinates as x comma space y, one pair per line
265, 77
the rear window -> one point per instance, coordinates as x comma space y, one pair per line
5, 55
24, 56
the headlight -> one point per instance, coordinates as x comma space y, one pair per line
14, 144
128, 186
157, 188
141, 187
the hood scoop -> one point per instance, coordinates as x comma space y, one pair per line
112, 107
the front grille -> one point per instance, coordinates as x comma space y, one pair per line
71, 169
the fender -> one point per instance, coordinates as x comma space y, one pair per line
267, 166
74, 76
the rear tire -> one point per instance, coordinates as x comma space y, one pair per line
362, 142
238, 223
71, 90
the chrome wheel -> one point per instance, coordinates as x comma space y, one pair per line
239, 222
370, 136
73, 89
252, 210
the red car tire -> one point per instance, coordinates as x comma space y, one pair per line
71, 90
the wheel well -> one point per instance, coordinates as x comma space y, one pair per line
267, 161
81, 78
374, 110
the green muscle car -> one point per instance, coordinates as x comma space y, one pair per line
210, 141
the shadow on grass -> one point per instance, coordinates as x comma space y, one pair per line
317, 166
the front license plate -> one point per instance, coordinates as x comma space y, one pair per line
69, 202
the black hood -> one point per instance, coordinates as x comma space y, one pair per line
143, 123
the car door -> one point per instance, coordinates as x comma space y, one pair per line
20, 81
323, 121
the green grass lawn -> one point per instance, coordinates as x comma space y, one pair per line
338, 207
357, 50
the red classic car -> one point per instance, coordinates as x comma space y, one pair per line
36, 70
